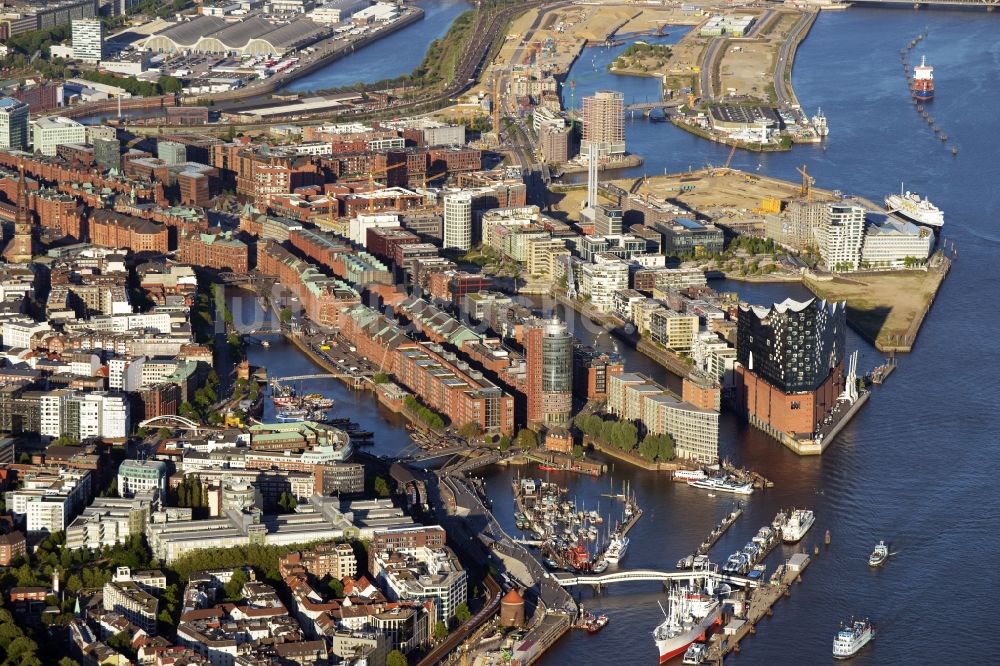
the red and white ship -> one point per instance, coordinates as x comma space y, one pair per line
923, 80
689, 616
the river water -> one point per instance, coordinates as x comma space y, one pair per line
390, 57
916, 466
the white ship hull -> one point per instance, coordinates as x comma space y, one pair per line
678, 645
929, 216
845, 649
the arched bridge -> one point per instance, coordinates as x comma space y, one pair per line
640, 575
175, 422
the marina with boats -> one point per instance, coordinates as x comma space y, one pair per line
569, 537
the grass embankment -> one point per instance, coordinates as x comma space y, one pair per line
885, 308
642, 59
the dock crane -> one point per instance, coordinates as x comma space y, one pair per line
807, 183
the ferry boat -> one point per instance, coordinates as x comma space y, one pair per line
690, 475
319, 401
287, 415
923, 81
912, 207
688, 617
879, 555
616, 549
719, 484
851, 638
695, 654
819, 124
798, 523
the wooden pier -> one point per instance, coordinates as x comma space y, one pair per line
762, 600
636, 515
719, 530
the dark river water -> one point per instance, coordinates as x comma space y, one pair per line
917, 466
397, 54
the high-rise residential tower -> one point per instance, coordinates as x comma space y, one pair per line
548, 347
604, 123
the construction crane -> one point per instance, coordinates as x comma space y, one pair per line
383, 171
807, 183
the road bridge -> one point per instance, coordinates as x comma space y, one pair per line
641, 575
328, 375
645, 107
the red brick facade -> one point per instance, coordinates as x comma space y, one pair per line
214, 251
794, 413
111, 229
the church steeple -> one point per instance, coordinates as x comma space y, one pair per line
19, 249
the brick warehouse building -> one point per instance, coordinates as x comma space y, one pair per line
222, 251
791, 366
112, 229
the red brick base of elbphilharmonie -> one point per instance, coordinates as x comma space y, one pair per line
788, 417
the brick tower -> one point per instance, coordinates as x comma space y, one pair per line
19, 250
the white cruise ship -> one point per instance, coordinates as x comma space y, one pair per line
798, 523
851, 638
912, 207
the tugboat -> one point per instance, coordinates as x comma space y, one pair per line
879, 555
596, 624
851, 638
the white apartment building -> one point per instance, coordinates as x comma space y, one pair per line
840, 237
458, 220
695, 431
423, 573
50, 132
48, 500
88, 40
84, 415
601, 281
109, 521
18, 332
357, 229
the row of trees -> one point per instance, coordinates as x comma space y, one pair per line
201, 408
620, 434
657, 448
163, 85
192, 493
426, 414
